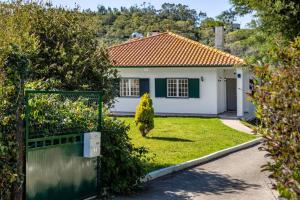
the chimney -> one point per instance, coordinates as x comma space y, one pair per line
219, 37
153, 33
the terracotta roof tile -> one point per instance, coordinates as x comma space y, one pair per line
169, 49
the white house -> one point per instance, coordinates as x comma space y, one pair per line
183, 77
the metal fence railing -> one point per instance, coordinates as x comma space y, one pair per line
60, 117
55, 113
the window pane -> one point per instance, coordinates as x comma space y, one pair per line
183, 87
172, 87
129, 87
177, 87
135, 87
124, 87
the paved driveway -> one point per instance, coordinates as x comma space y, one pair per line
237, 176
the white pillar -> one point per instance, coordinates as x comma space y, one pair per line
240, 93
246, 77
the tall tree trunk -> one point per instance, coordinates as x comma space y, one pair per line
19, 189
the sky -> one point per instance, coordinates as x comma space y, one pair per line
211, 7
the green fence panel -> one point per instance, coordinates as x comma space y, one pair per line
55, 124
60, 172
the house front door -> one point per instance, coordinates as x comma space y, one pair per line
231, 94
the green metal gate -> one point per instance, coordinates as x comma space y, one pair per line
55, 124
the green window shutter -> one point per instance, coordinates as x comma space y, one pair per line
194, 88
160, 87
117, 83
144, 86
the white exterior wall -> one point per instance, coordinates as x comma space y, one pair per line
208, 103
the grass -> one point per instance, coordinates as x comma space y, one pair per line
178, 139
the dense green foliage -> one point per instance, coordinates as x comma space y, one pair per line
144, 115
8, 172
39, 43
69, 52
11, 124
277, 22
277, 91
62, 46
275, 16
178, 139
278, 108
122, 163
116, 25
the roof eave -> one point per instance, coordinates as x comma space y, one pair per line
170, 66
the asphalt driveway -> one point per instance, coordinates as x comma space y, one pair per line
237, 176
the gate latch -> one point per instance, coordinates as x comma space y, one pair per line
91, 144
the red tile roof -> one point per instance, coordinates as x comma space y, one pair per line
168, 49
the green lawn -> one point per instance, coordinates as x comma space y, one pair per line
178, 139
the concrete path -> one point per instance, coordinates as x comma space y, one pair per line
237, 125
237, 176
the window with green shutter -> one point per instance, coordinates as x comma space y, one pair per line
177, 88
194, 88
160, 87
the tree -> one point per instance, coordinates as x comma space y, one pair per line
278, 108
117, 25
11, 124
227, 17
42, 43
69, 52
17, 45
279, 16
277, 91
144, 116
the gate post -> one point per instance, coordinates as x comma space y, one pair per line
240, 92
26, 140
99, 157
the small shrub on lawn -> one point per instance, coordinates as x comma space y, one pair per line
278, 107
144, 116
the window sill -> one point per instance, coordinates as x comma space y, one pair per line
177, 97
129, 97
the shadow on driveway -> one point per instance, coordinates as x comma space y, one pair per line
188, 184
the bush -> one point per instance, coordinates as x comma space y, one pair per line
8, 169
144, 116
122, 163
278, 107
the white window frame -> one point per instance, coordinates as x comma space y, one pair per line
177, 85
129, 92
